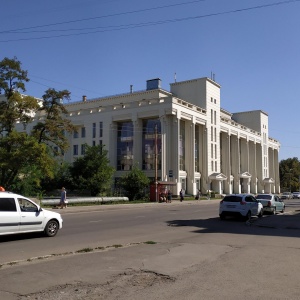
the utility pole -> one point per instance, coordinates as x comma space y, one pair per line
155, 161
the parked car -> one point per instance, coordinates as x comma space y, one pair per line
286, 196
296, 195
271, 203
242, 205
19, 214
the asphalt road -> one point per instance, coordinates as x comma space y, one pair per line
195, 256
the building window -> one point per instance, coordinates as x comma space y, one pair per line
100, 129
215, 101
94, 143
216, 169
151, 143
75, 149
94, 130
101, 143
215, 134
215, 151
211, 151
215, 119
211, 116
212, 166
211, 134
125, 146
82, 149
75, 134
83, 132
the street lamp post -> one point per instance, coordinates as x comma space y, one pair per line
155, 156
291, 180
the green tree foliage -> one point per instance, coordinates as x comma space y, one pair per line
52, 128
24, 154
92, 171
134, 183
61, 177
289, 172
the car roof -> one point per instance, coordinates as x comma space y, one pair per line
4, 194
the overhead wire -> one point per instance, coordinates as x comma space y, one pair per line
155, 23
104, 16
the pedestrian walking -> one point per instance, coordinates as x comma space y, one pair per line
181, 195
63, 198
169, 197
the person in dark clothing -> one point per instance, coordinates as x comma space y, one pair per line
181, 195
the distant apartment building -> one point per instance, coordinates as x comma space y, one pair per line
181, 136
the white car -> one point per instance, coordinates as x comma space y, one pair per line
241, 205
19, 214
296, 195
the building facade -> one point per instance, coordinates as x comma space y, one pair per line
181, 136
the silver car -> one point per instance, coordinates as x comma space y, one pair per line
271, 203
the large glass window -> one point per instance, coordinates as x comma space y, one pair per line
125, 146
182, 146
151, 144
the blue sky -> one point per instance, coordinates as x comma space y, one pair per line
101, 47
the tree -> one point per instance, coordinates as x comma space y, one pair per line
23, 153
134, 183
54, 126
289, 172
92, 171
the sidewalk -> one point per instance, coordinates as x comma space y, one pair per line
73, 209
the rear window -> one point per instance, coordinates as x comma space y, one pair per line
232, 198
7, 204
268, 197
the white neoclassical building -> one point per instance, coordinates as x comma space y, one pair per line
181, 136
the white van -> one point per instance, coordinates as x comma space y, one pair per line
19, 214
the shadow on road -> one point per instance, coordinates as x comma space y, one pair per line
22, 236
278, 225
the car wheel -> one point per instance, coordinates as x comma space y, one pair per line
51, 228
261, 213
222, 217
283, 209
248, 216
274, 211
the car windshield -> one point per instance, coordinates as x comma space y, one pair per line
268, 197
232, 198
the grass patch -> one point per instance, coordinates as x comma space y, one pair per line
117, 246
150, 243
84, 250
100, 248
